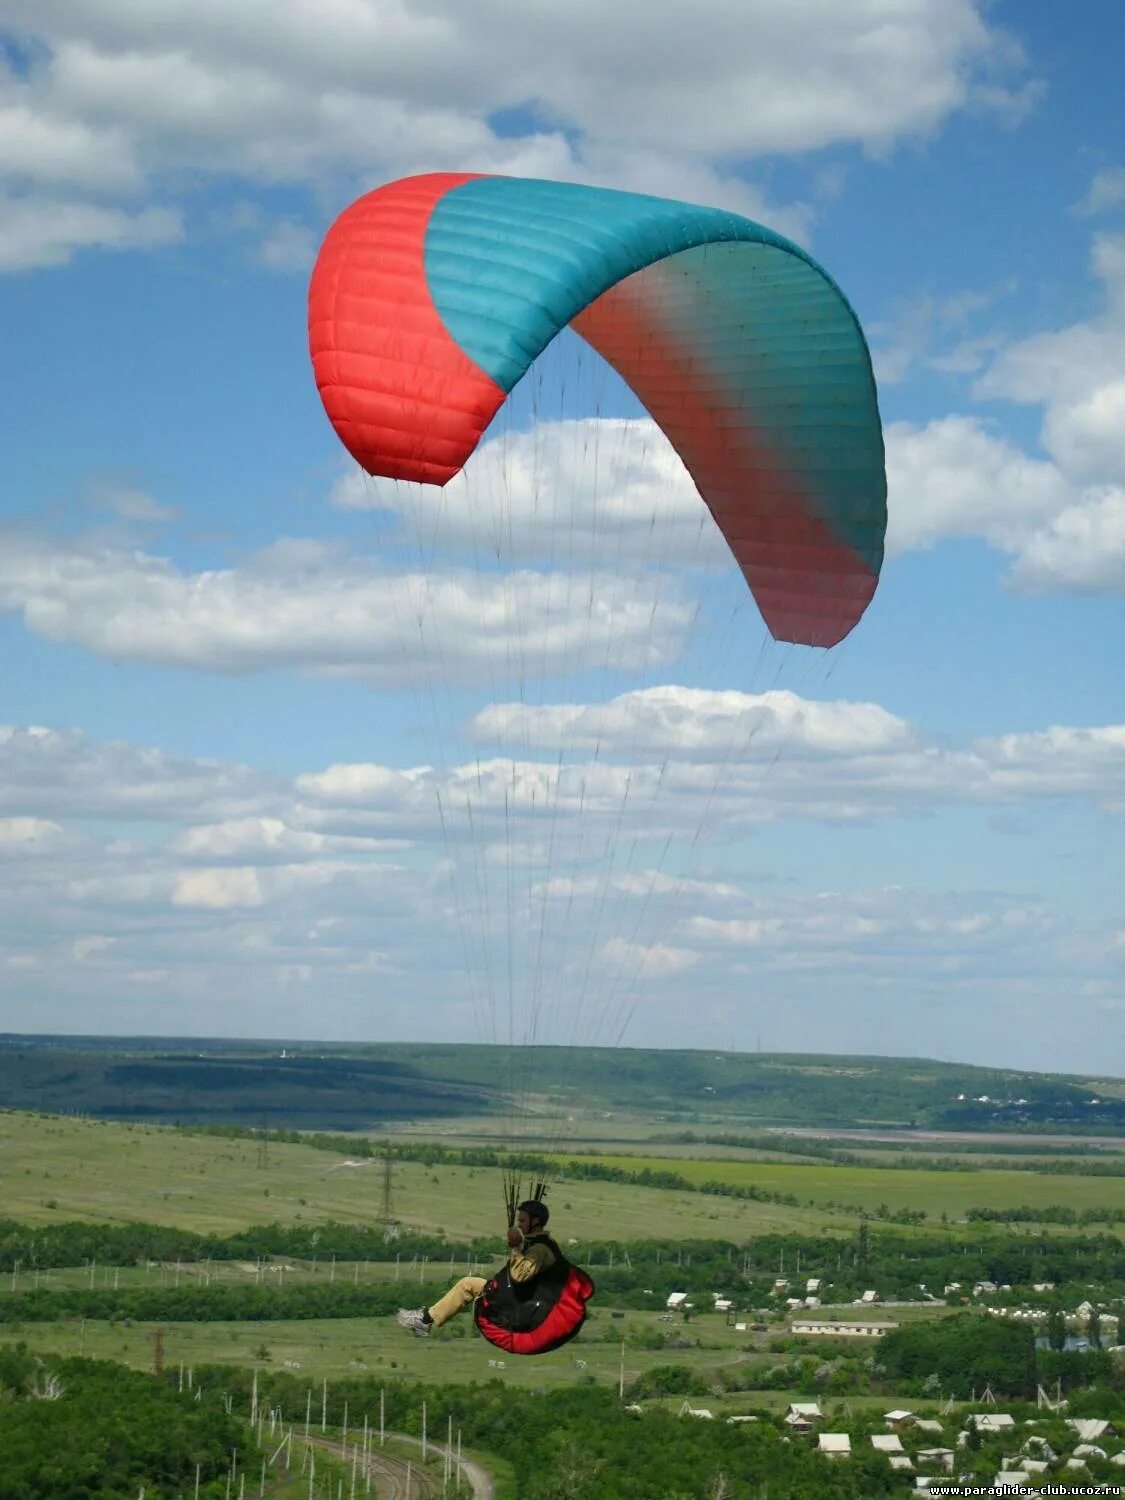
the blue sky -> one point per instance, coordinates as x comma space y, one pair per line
219, 776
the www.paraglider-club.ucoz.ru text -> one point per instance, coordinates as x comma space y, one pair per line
1023, 1489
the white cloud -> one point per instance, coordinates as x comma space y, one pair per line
1060, 761
28, 836
871, 922
91, 947
302, 606
936, 333
362, 90
523, 814
39, 231
562, 492
956, 477
699, 722
129, 503
741, 77
1086, 433
1059, 518
654, 961
1056, 368
288, 247
238, 889
36, 148
1082, 548
54, 775
268, 839
1106, 190
218, 889
638, 883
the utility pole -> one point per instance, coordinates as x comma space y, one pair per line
388, 1220
158, 1352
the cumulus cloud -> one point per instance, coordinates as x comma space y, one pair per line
288, 247
672, 720
42, 231
937, 333
128, 502
87, 949
648, 783
637, 883
867, 920
268, 839
564, 492
654, 961
22, 837
1076, 375
958, 477
49, 774
574, 879
218, 889
1106, 191
1082, 548
305, 607
1060, 518
118, 91
48, 151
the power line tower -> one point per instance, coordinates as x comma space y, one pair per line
388, 1220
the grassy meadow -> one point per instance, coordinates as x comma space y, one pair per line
54, 1168
58, 1168
334, 1346
62, 1168
948, 1191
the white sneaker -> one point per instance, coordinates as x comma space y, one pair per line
415, 1320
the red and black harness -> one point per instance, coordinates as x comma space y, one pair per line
535, 1316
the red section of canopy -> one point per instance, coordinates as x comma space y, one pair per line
810, 586
405, 400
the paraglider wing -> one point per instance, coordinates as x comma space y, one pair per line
431, 296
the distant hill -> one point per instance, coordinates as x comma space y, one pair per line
345, 1086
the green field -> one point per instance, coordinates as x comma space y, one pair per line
53, 1169
335, 1346
56, 1168
951, 1192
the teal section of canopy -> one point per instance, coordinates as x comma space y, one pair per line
778, 337
512, 261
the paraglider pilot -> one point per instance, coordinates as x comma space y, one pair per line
532, 1255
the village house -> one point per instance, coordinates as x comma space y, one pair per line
834, 1444
1090, 1429
936, 1458
849, 1330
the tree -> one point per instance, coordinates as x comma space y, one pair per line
1094, 1329
1056, 1330
862, 1244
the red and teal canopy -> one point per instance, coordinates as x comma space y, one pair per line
431, 296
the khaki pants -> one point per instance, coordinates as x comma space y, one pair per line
467, 1290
